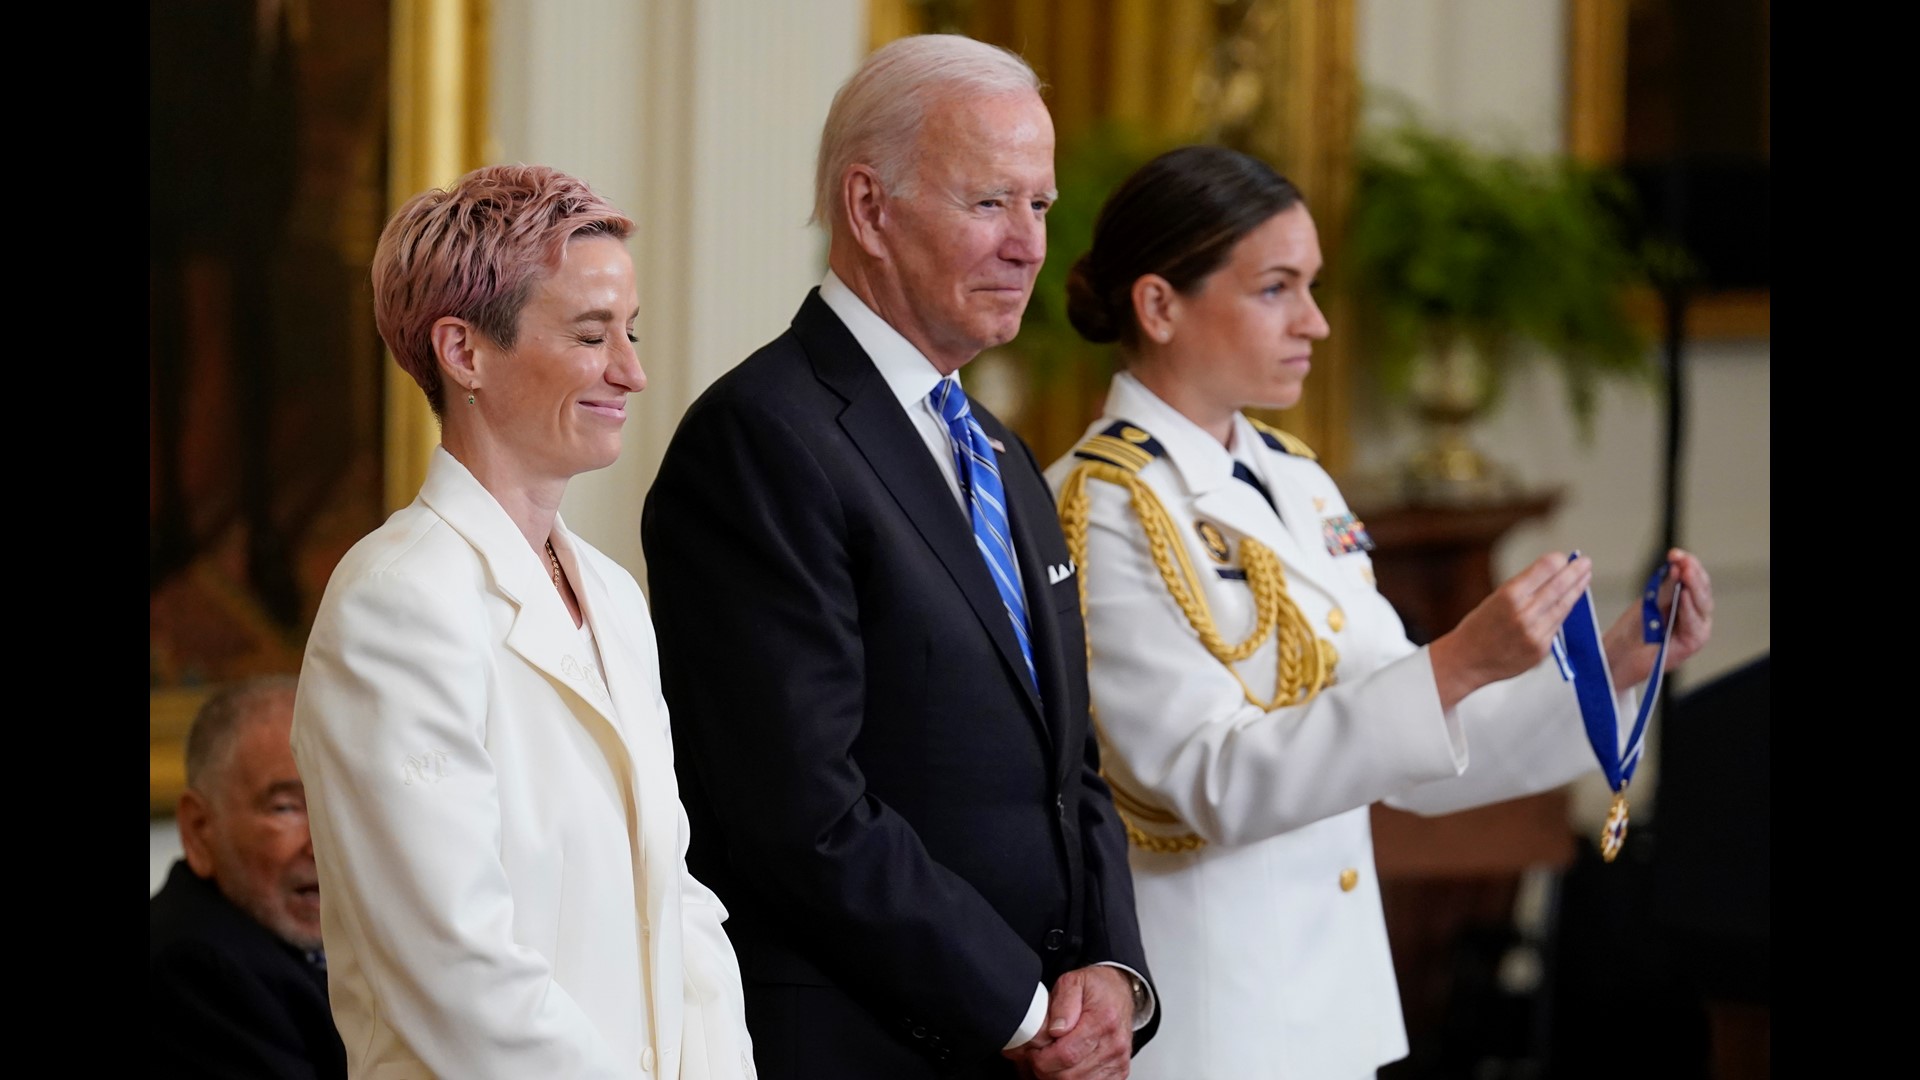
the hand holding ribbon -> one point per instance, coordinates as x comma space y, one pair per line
1508, 632
1589, 666
1630, 657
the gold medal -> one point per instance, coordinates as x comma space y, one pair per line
1613, 835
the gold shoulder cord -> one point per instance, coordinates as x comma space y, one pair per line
1289, 442
1305, 661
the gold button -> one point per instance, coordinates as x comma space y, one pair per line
1336, 619
1367, 572
1348, 879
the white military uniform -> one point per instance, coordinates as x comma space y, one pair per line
1267, 941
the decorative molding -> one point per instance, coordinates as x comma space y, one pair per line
438, 107
170, 716
1596, 79
1306, 129
1724, 316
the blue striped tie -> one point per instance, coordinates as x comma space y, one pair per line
979, 473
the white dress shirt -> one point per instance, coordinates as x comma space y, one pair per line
909, 374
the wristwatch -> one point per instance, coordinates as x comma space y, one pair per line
1142, 998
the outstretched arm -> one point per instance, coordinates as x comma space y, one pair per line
1178, 728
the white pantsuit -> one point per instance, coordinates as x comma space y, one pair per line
1268, 941
495, 817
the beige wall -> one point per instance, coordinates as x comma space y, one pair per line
700, 119
1489, 69
164, 841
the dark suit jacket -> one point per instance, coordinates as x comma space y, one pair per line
227, 997
908, 836
1712, 870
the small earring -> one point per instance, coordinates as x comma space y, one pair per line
469, 397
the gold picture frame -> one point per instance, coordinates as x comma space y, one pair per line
1597, 100
436, 107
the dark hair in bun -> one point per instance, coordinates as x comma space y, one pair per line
1178, 216
1087, 310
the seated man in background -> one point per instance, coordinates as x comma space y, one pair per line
237, 979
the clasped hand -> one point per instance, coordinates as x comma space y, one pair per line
1088, 1032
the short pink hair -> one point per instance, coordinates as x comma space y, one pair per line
474, 251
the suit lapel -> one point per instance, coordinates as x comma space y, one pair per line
1240, 508
542, 633
1305, 552
1021, 511
545, 637
633, 678
632, 681
1206, 470
628, 653
880, 429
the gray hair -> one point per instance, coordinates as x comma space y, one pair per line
876, 116
222, 717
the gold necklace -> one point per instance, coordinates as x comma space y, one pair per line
553, 564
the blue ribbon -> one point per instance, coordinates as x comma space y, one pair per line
1583, 662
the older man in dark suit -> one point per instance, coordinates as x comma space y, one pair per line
237, 981
870, 631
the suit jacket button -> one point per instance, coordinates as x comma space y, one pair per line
1055, 939
919, 1031
1348, 879
646, 1060
1336, 620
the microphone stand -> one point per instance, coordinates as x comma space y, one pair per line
1673, 276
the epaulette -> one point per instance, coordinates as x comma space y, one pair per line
1121, 444
1282, 441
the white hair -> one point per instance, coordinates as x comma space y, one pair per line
876, 116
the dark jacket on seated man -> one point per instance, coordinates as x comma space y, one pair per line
229, 998
236, 977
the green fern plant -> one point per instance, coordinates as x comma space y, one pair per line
1086, 170
1448, 243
